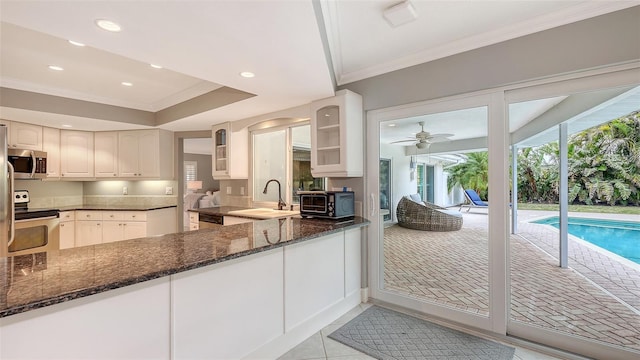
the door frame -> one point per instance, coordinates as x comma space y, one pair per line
496, 321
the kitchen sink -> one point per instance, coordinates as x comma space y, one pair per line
264, 213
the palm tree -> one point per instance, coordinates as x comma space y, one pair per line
605, 163
472, 174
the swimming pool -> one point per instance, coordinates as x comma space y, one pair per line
619, 237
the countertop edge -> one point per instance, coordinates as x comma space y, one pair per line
113, 208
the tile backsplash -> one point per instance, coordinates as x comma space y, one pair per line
140, 200
52, 194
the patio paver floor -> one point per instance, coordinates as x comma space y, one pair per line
451, 268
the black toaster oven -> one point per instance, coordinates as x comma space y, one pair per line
327, 204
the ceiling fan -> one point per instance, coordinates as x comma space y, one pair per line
423, 139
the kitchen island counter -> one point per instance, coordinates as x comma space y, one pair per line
31, 282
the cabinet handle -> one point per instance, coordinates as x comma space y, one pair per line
61, 225
88, 215
114, 174
133, 216
98, 224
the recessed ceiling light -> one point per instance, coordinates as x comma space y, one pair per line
66, 126
155, 66
108, 25
75, 43
55, 67
392, 125
247, 74
126, 83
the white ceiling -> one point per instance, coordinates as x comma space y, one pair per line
206, 44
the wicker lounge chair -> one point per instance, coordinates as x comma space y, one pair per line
427, 216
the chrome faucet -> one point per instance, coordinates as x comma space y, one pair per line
281, 204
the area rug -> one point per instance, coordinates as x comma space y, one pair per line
386, 334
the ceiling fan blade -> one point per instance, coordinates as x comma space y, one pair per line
438, 139
438, 135
402, 141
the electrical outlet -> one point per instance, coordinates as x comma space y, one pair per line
168, 190
241, 190
228, 190
125, 191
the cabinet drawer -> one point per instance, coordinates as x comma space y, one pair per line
193, 217
134, 215
67, 216
82, 215
194, 226
112, 215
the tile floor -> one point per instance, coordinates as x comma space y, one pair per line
319, 346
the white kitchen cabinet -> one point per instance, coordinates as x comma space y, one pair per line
51, 145
25, 136
76, 154
230, 149
218, 301
131, 322
337, 136
88, 232
134, 230
123, 225
106, 154
67, 229
98, 226
145, 154
316, 270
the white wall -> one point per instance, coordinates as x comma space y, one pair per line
402, 183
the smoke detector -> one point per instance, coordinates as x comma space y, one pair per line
400, 14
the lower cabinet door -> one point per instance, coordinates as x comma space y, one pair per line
67, 234
88, 233
134, 229
112, 231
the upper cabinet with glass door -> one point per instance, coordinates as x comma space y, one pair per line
336, 136
230, 153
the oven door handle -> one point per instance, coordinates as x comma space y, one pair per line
37, 219
12, 210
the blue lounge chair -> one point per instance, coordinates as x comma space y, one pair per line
473, 200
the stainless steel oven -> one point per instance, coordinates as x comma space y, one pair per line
35, 230
36, 235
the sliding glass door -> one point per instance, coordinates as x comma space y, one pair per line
521, 264
435, 255
572, 267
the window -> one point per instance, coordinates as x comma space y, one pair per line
283, 153
190, 172
385, 189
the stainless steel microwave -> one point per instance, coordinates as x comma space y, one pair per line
28, 164
327, 204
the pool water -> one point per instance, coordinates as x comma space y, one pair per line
619, 237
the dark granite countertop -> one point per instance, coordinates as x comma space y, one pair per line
115, 207
29, 282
